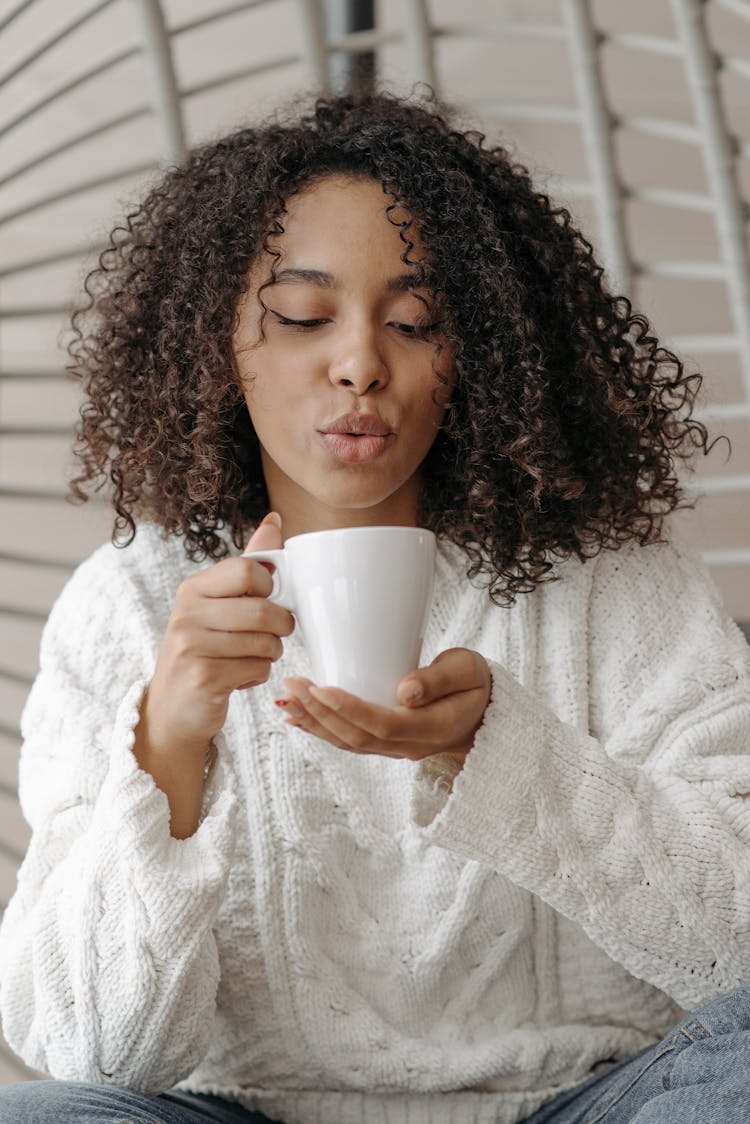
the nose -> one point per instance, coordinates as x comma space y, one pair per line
358, 363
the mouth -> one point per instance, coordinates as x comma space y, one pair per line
358, 425
357, 448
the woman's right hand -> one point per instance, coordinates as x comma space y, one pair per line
223, 635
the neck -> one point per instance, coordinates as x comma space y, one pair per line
300, 523
301, 512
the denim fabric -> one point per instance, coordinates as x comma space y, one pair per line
77, 1102
698, 1074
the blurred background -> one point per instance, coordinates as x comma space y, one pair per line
635, 116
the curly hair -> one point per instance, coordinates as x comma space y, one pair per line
567, 416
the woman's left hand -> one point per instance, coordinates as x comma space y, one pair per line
455, 690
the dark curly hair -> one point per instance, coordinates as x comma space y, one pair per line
566, 418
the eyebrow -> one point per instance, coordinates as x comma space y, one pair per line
402, 283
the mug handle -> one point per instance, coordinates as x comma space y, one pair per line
281, 593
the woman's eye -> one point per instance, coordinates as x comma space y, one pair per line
414, 330
418, 329
297, 323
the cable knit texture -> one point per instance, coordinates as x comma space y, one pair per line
350, 939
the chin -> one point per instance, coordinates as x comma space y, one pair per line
350, 499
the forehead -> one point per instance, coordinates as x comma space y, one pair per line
342, 222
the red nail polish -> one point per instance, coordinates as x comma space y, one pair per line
281, 702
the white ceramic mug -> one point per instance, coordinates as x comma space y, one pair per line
361, 597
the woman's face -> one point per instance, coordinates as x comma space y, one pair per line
341, 274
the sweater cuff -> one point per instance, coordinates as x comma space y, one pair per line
131, 807
495, 785
433, 784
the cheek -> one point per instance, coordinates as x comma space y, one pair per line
279, 407
425, 419
271, 383
446, 368
435, 392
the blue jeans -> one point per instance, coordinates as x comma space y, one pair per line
77, 1102
698, 1074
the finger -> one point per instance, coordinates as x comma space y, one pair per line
353, 714
235, 577
442, 726
221, 675
453, 671
232, 577
267, 535
234, 645
243, 614
363, 726
319, 728
305, 721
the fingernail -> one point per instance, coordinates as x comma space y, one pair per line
291, 707
413, 692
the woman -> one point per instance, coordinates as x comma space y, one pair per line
521, 894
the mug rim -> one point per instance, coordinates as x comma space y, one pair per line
348, 530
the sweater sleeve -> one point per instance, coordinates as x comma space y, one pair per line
639, 827
108, 964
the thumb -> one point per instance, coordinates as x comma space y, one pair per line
267, 535
425, 684
411, 690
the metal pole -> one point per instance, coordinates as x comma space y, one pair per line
420, 43
167, 95
350, 72
729, 208
597, 124
314, 41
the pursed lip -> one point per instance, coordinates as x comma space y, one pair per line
370, 424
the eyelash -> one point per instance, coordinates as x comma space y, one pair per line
412, 330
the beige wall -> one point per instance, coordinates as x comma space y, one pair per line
470, 67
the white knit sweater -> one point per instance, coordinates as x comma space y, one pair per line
344, 938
